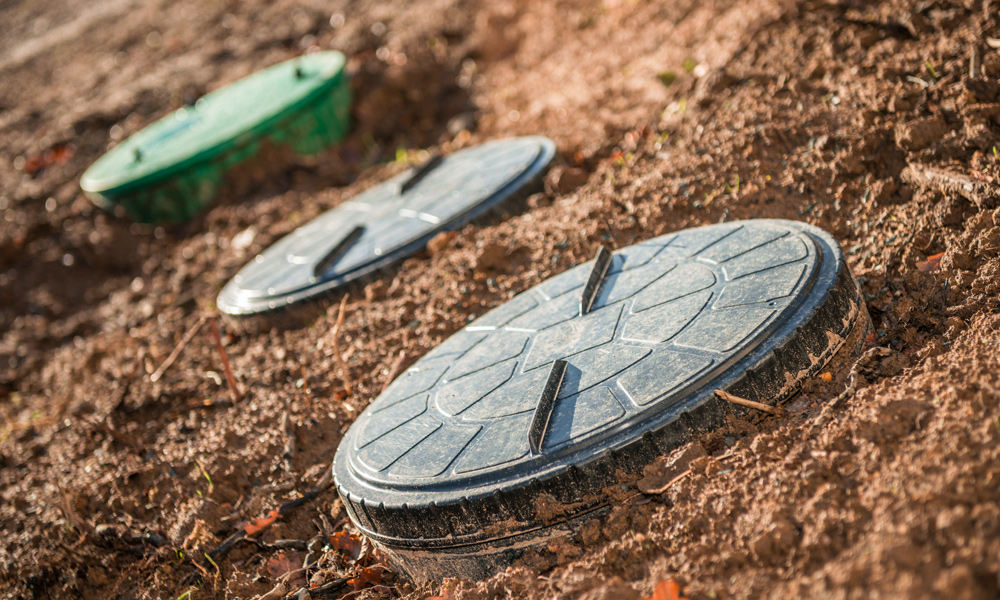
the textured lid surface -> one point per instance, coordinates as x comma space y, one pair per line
214, 123
385, 223
589, 362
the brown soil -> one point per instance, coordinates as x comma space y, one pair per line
875, 121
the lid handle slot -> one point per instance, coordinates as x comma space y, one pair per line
420, 172
338, 250
543, 411
597, 273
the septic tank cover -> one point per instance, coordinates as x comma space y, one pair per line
173, 168
589, 375
386, 224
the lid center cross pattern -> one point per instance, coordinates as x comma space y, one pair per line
617, 358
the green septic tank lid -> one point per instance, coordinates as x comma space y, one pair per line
232, 118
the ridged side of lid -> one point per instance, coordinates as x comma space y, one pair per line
594, 373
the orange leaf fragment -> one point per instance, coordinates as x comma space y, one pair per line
827, 376
260, 523
283, 564
366, 578
347, 542
667, 590
933, 263
56, 155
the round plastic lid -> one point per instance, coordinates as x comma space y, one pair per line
386, 223
214, 124
592, 374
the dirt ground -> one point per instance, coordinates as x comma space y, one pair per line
877, 121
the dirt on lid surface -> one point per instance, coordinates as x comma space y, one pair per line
875, 121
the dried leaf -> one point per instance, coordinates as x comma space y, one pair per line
933, 263
260, 523
366, 578
283, 563
667, 590
287, 564
348, 543
56, 155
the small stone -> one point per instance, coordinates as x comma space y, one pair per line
920, 133
375, 290
616, 523
616, 589
883, 191
659, 474
564, 180
590, 533
775, 541
491, 256
711, 85
959, 583
439, 242
955, 258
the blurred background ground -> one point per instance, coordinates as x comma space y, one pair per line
876, 121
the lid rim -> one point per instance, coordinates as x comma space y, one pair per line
234, 302
834, 289
239, 140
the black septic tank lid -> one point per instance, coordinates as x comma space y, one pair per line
386, 223
456, 468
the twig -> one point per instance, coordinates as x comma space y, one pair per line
331, 589
227, 544
278, 592
774, 410
208, 478
177, 350
978, 192
336, 347
280, 544
324, 525
79, 524
670, 484
394, 370
305, 379
289, 431
205, 404
285, 508
234, 388
827, 414
118, 436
